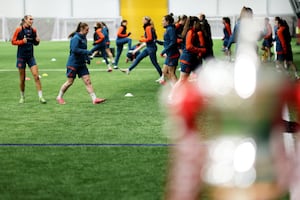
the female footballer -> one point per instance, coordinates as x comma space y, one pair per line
76, 65
122, 39
150, 50
25, 37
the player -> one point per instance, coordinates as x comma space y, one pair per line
227, 34
122, 38
76, 65
267, 41
283, 46
25, 37
100, 44
151, 48
105, 32
170, 50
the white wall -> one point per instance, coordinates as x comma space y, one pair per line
96, 8
111, 8
12, 8
230, 7
234, 7
193, 7
60, 8
280, 7
53, 8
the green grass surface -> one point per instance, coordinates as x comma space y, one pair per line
82, 172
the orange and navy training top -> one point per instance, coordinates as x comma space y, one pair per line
227, 31
99, 37
25, 50
281, 45
122, 32
194, 47
149, 36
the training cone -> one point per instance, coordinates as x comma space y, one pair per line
128, 95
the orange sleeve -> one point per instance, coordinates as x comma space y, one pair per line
100, 35
202, 48
282, 40
148, 37
189, 43
119, 34
228, 29
14, 40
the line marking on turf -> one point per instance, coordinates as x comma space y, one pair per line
63, 70
85, 145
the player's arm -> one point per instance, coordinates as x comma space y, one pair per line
202, 48
100, 35
189, 44
228, 29
15, 41
282, 40
36, 39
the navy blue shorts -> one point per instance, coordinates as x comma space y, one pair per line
225, 42
80, 71
21, 62
285, 57
172, 61
267, 43
188, 67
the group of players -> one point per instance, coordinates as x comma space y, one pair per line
281, 40
186, 42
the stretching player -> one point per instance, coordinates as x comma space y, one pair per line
151, 48
100, 44
122, 38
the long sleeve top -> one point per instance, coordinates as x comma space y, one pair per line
170, 41
25, 50
78, 51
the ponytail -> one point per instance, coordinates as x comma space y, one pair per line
80, 26
169, 18
23, 19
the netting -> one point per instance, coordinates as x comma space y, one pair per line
57, 28
52, 29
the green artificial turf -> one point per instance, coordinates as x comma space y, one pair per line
35, 164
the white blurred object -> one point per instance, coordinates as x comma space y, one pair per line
128, 95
